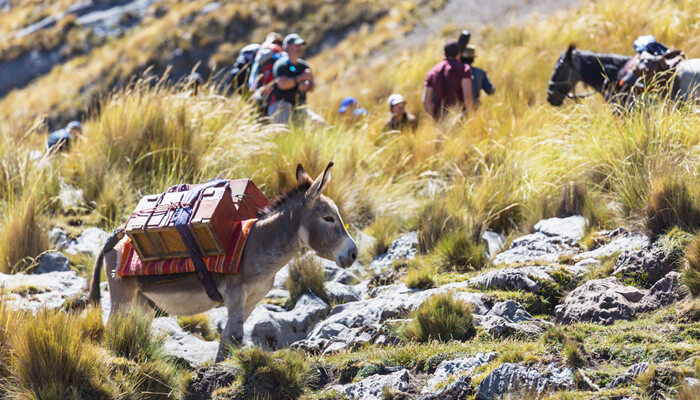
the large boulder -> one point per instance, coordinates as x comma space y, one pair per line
630, 375
182, 344
511, 311
341, 293
89, 242
272, 327
647, 265
52, 262
573, 227
456, 367
32, 292
514, 378
666, 291
621, 240
333, 273
537, 247
405, 247
371, 387
521, 278
601, 301
460, 389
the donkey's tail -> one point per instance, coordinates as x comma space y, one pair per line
112, 240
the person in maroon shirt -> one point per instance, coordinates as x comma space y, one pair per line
448, 84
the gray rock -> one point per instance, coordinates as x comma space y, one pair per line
208, 379
277, 294
460, 389
272, 327
52, 262
333, 273
184, 345
281, 278
622, 242
49, 290
371, 387
650, 262
665, 292
217, 318
573, 227
537, 247
601, 301
341, 293
59, 238
514, 378
90, 242
494, 242
405, 247
691, 383
630, 375
510, 310
458, 366
522, 278
502, 327
209, 8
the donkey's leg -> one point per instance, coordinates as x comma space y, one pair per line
233, 332
122, 291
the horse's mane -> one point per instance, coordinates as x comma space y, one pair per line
282, 200
595, 67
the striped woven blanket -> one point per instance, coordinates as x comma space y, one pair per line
228, 263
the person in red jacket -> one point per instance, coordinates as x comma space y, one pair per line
448, 84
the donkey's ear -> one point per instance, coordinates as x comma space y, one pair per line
302, 176
320, 183
571, 48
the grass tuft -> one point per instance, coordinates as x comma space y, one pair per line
441, 318
420, 277
458, 252
305, 276
199, 324
128, 335
691, 271
671, 204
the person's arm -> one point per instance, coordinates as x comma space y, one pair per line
427, 98
467, 94
308, 84
488, 86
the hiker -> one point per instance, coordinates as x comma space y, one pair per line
400, 119
653, 64
448, 84
293, 80
238, 76
60, 140
350, 107
480, 81
269, 52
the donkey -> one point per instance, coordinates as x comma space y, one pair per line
300, 218
602, 71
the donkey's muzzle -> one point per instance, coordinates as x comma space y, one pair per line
348, 257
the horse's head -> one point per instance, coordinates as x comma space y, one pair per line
322, 229
564, 78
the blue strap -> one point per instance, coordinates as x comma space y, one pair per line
181, 220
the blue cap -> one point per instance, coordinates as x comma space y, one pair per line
346, 103
74, 124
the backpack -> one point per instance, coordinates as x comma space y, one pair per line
241, 67
262, 74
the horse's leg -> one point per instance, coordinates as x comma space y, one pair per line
233, 332
122, 290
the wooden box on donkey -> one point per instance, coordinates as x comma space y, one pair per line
215, 212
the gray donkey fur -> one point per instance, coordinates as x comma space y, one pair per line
302, 218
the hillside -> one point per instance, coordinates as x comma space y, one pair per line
525, 250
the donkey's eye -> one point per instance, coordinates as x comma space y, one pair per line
329, 219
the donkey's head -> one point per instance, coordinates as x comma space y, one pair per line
322, 229
564, 78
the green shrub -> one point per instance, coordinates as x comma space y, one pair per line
671, 204
128, 335
511, 355
691, 271
420, 277
282, 375
573, 354
199, 324
434, 221
51, 360
305, 276
458, 252
441, 318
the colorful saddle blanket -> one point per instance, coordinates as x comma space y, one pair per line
228, 263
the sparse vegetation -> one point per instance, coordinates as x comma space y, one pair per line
441, 318
420, 277
305, 276
691, 270
199, 324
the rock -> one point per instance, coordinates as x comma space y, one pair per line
622, 242
458, 366
272, 327
363, 241
208, 379
209, 8
692, 383
458, 390
405, 247
49, 290
648, 264
601, 301
494, 242
371, 387
217, 318
281, 278
522, 278
537, 247
501, 327
573, 227
589, 263
184, 345
69, 197
333, 273
59, 238
664, 292
341, 293
277, 294
630, 375
511, 311
90, 242
510, 378
52, 262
